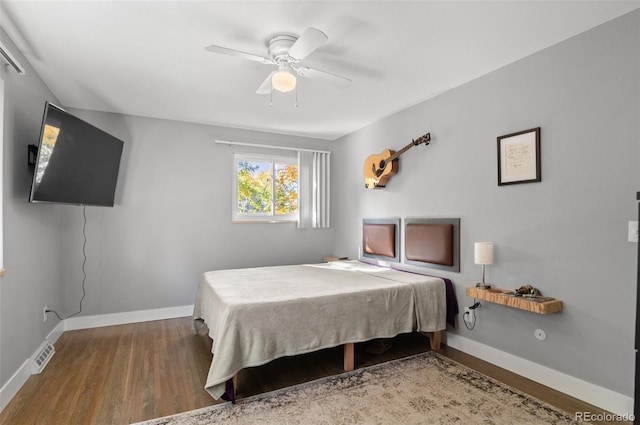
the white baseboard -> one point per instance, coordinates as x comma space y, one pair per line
13, 385
86, 322
56, 333
604, 398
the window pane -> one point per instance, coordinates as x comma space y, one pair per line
254, 187
286, 189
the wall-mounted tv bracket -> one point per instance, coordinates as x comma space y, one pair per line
32, 156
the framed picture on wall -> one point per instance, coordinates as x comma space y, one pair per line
519, 157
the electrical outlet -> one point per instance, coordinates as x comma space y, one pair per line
44, 313
633, 231
469, 315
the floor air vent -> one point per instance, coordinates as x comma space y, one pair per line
42, 357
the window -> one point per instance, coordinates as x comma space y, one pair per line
265, 188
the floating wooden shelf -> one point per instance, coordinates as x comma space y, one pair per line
496, 296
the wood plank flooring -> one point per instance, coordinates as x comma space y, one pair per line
129, 373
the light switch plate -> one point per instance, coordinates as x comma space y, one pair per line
633, 231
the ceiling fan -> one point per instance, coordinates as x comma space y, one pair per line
286, 51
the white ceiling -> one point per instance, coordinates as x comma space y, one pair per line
147, 57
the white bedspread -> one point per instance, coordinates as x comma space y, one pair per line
256, 315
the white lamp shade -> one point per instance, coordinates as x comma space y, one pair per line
283, 81
483, 252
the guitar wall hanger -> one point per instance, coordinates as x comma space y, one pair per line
379, 168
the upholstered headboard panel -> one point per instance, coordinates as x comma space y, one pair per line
381, 239
429, 243
433, 242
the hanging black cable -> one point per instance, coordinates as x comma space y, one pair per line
84, 262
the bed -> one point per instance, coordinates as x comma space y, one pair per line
256, 315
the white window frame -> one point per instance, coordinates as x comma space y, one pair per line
1, 172
268, 218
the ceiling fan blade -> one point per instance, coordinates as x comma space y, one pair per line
316, 74
309, 41
231, 52
265, 87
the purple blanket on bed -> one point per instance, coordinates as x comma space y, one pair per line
452, 303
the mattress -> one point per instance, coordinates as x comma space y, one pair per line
256, 315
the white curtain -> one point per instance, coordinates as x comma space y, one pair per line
314, 181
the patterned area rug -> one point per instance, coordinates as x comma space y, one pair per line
424, 389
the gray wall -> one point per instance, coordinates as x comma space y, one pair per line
172, 219
32, 233
566, 235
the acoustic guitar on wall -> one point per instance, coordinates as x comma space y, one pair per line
379, 168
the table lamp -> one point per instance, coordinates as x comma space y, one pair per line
484, 256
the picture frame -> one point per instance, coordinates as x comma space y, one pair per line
519, 157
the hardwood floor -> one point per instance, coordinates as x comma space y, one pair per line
130, 373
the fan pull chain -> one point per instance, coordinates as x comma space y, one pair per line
296, 96
271, 96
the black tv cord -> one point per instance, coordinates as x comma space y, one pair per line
84, 262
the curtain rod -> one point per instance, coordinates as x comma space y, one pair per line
258, 145
13, 62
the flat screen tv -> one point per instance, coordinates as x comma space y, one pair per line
77, 163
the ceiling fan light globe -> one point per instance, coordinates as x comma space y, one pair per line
283, 81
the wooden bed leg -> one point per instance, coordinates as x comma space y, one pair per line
235, 385
434, 338
349, 352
